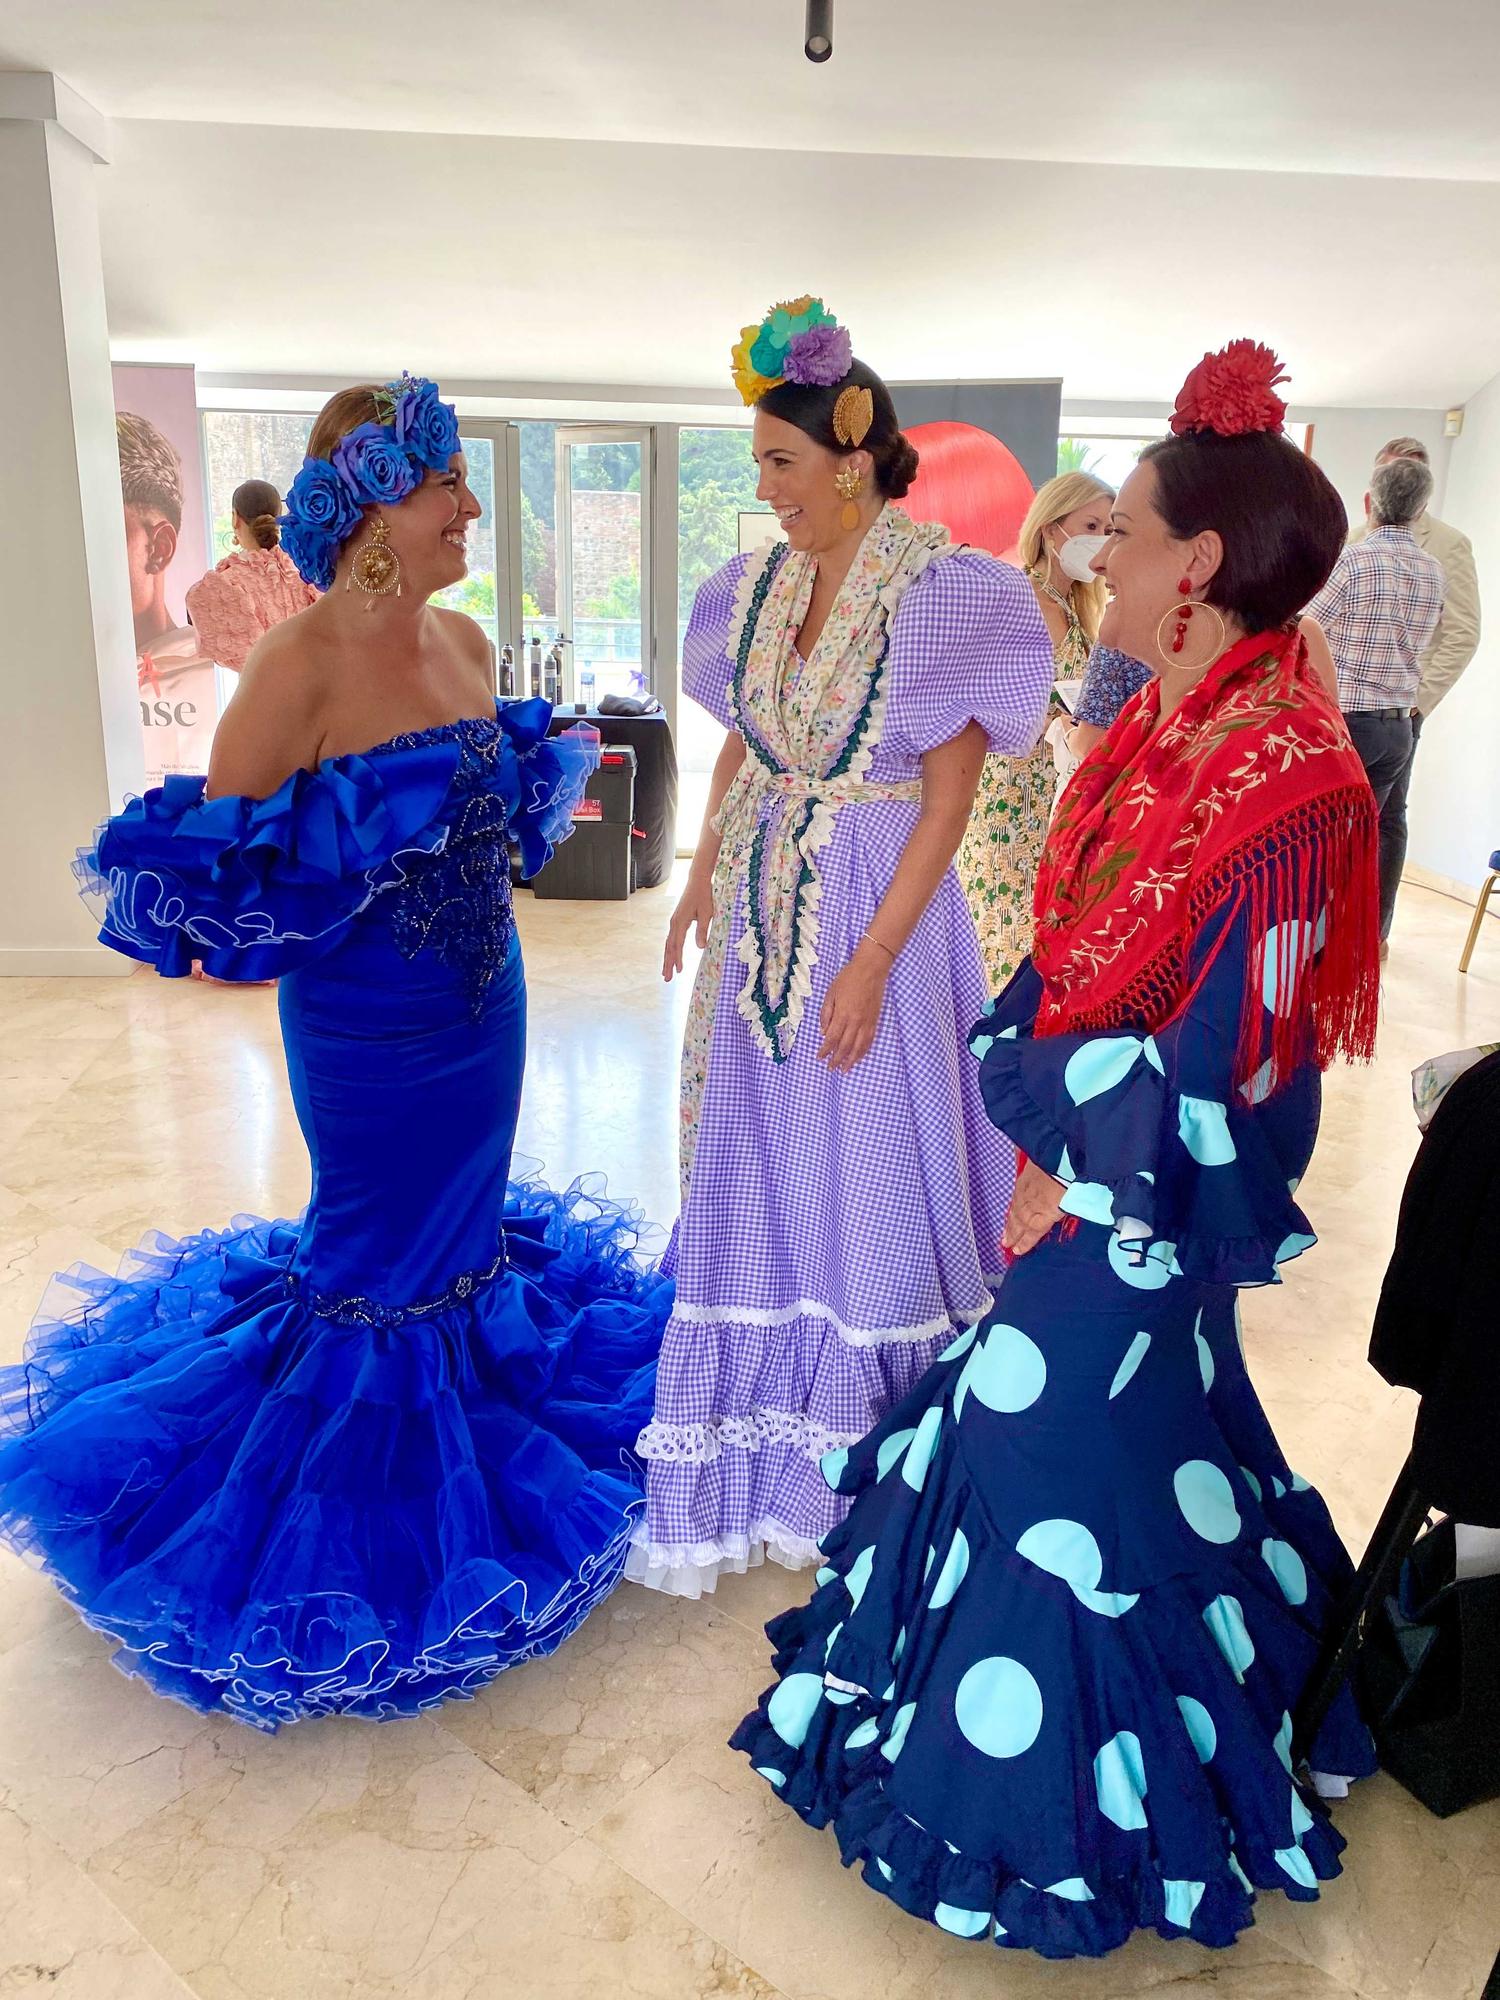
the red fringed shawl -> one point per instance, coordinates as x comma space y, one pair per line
1250, 795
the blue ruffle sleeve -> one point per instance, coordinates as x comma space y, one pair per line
543, 779
1150, 1134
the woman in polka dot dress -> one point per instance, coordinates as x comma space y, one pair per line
1044, 1691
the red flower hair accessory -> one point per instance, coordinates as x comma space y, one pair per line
1232, 393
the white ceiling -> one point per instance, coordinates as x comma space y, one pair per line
599, 191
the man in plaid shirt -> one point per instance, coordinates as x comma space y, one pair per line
1379, 609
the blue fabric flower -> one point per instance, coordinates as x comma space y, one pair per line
375, 467
321, 514
426, 428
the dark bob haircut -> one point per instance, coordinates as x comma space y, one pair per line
1280, 520
811, 410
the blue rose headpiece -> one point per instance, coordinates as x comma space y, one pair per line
377, 465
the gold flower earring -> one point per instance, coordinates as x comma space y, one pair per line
849, 484
376, 568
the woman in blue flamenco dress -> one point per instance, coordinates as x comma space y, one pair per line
357, 1463
1044, 1693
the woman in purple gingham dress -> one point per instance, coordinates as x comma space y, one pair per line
837, 1224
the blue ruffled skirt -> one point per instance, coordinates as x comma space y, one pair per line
282, 1516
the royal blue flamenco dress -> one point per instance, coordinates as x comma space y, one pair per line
359, 1462
1044, 1691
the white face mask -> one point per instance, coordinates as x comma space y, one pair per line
1076, 555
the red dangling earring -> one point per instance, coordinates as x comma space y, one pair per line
1184, 613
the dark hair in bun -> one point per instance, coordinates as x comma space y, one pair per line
811, 410
258, 504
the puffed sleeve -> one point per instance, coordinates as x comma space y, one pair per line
543, 778
1150, 1134
227, 621
257, 887
968, 644
1111, 679
706, 665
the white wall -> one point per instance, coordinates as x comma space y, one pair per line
1455, 801
1344, 443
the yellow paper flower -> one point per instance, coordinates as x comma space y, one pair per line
748, 379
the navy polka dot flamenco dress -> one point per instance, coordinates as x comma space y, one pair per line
1043, 1692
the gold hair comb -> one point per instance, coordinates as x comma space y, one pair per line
853, 414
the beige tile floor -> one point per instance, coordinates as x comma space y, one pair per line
581, 1829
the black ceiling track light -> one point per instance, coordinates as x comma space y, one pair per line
818, 45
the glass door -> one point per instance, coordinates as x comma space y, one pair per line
600, 642
490, 593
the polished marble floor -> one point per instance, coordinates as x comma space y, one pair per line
580, 1829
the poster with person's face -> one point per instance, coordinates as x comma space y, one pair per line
166, 544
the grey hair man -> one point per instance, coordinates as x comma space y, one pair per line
1456, 639
1379, 610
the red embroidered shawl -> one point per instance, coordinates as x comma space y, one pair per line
1250, 795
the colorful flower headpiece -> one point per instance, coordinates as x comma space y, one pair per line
800, 342
376, 465
1232, 393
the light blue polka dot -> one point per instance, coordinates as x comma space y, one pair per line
1297, 1865
1001, 1931
962, 1923
999, 1707
1207, 1500
927, 1566
891, 1449
1302, 1819
1244, 1880
980, 1045
923, 1445
1205, 1359
1294, 1245
1251, 1481
1067, 1550
899, 1648
832, 1641
1284, 1742
955, 1568
777, 1778
886, 1869
1146, 1273
825, 1576
1288, 1569
1199, 1725
1153, 1055
1099, 1065
1074, 1890
1008, 1034
1226, 1620
857, 1581
831, 1465
839, 1697
1135, 1354
1120, 1781
1064, 1170
1090, 1201
895, 1743
1182, 1899
1203, 1127
1299, 1484
1259, 1087
1006, 1372
862, 1737
1283, 953
1277, 1488
961, 1345
793, 1706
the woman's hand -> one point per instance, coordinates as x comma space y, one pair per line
694, 911
1035, 1210
851, 1007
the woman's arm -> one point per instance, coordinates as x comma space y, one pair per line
1083, 736
695, 907
851, 1010
269, 728
1320, 655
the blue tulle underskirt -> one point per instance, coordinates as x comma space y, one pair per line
281, 1516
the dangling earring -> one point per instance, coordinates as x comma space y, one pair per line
376, 568
849, 484
1182, 615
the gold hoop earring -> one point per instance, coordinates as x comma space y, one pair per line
376, 569
849, 484
1170, 652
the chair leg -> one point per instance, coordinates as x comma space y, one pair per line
1395, 1531
1479, 909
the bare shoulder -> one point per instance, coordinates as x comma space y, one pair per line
469, 644
272, 724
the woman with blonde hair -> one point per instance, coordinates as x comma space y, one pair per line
1062, 533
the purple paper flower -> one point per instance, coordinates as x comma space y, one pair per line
820, 357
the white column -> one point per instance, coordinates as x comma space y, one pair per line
70, 739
